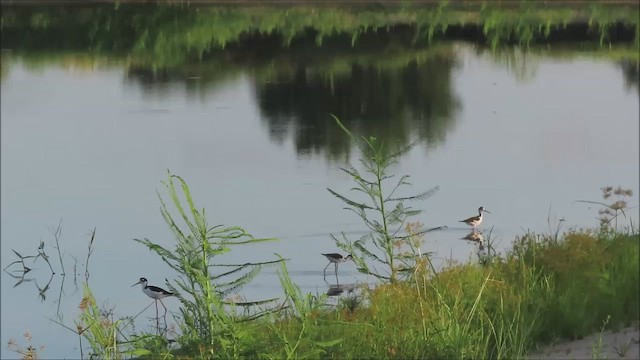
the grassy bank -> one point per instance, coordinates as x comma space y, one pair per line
173, 34
544, 289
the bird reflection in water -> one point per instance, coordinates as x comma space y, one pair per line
475, 237
485, 251
337, 289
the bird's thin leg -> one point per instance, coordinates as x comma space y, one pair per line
336, 270
165, 308
164, 317
325, 269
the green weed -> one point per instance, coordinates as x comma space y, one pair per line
295, 326
383, 212
210, 326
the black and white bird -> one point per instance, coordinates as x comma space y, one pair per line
335, 259
154, 292
475, 221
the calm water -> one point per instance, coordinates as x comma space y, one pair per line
90, 145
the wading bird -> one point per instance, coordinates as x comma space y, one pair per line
154, 292
474, 221
335, 259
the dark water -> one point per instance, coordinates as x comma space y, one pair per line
87, 139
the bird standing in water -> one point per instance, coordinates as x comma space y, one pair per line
154, 292
335, 259
475, 221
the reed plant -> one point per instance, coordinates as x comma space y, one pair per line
106, 336
382, 211
210, 326
613, 204
26, 352
293, 329
101, 330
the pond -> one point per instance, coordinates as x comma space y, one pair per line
87, 139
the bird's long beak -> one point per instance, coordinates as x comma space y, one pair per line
135, 284
485, 210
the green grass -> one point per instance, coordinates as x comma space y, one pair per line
540, 291
174, 34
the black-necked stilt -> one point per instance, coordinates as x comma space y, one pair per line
154, 292
335, 259
474, 221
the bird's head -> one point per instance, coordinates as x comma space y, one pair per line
481, 209
142, 281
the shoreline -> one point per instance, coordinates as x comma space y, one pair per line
621, 344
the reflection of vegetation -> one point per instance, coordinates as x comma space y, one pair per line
383, 89
523, 62
197, 78
516, 60
409, 98
631, 73
37, 62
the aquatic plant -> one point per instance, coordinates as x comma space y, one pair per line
28, 352
209, 325
100, 329
296, 323
611, 211
383, 212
